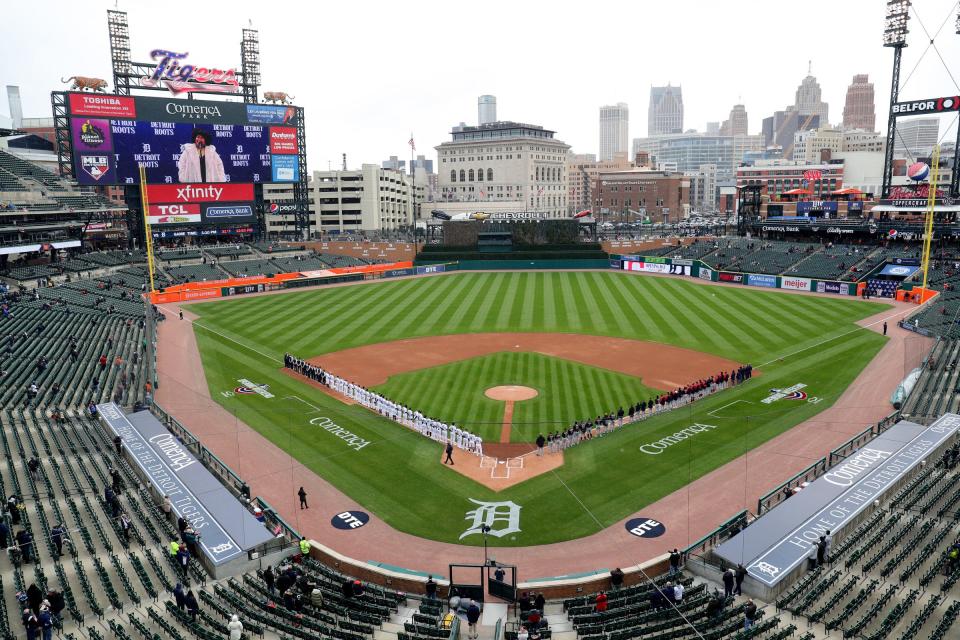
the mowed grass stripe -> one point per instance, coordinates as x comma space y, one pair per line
416, 316
728, 329
633, 305
569, 310
597, 296
444, 315
527, 302
649, 306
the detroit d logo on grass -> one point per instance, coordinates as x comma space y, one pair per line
492, 514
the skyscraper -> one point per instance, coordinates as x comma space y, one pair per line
614, 123
486, 109
808, 101
665, 114
916, 137
859, 111
736, 124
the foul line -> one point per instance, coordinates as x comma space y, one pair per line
822, 342
729, 404
246, 346
589, 513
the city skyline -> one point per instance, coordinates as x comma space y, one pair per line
370, 115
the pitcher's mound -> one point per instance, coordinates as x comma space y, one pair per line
511, 392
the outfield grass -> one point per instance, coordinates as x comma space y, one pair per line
398, 476
567, 391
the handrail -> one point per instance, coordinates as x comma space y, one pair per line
724, 531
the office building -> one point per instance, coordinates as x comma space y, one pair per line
665, 113
916, 137
511, 162
635, 194
486, 109
614, 124
859, 110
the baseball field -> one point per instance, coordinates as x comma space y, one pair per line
587, 342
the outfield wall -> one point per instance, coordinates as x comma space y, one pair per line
703, 271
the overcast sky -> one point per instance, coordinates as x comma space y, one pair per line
369, 72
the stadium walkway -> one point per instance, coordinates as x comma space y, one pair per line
688, 513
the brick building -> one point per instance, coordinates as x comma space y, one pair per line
632, 195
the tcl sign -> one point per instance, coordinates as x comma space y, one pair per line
174, 209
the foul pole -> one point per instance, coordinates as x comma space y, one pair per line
931, 205
148, 242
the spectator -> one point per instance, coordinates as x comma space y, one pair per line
749, 614
431, 588
473, 615
166, 507
192, 606
601, 602
674, 562
174, 547
269, 578
728, 581
740, 575
4, 535
678, 593
539, 602
316, 597
304, 548
235, 626
45, 621
25, 542
56, 536
616, 579
180, 597
499, 574
13, 508
31, 623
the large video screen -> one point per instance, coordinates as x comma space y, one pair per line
181, 141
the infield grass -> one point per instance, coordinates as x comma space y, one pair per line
791, 338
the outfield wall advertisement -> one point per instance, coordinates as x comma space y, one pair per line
699, 269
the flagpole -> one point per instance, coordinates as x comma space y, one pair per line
413, 181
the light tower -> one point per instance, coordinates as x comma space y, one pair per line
895, 36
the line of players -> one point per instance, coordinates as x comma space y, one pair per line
588, 429
428, 427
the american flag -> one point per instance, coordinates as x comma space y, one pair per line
412, 146
483, 194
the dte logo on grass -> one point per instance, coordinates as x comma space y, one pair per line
645, 527
349, 520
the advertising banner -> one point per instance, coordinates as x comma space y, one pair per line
899, 270
180, 141
797, 284
726, 276
780, 541
832, 287
226, 527
706, 273
649, 267
759, 280
807, 207
439, 268
396, 273
200, 203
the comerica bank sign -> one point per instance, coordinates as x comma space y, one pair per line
656, 448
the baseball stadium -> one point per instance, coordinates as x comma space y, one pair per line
486, 423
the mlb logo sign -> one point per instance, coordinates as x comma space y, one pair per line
95, 166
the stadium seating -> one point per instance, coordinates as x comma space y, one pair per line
830, 263
23, 169
195, 273
243, 268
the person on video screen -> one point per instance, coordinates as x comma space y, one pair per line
199, 160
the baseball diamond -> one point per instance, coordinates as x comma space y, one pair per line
380, 334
